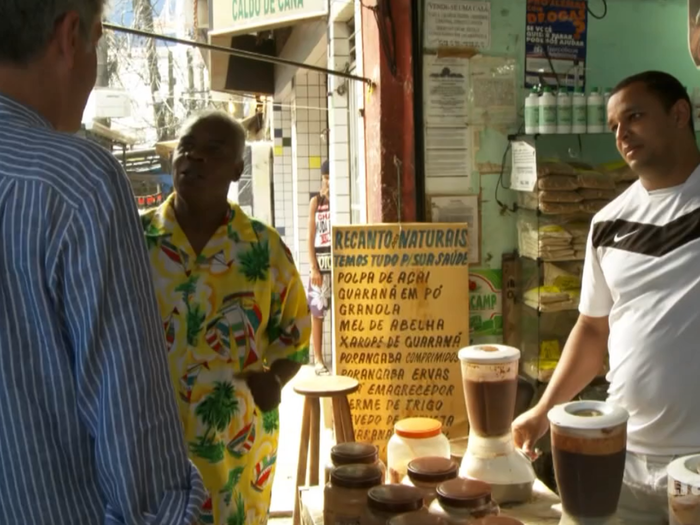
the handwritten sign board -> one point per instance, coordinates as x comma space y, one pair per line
401, 313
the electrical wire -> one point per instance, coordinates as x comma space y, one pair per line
237, 52
598, 17
505, 207
387, 42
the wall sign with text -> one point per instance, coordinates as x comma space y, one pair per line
555, 42
401, 313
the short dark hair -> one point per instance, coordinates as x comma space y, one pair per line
325, 168
665, 87
27, 26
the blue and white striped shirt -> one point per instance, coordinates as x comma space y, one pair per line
89, 429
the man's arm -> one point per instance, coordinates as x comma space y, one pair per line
581, 361
582, 358
587, 346
125, 398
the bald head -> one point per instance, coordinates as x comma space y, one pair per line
232, 131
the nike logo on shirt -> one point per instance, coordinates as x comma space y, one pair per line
619, 237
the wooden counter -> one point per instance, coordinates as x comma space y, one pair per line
538, 511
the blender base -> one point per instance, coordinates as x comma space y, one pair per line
497, 462
571, 520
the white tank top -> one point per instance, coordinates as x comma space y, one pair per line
322, 242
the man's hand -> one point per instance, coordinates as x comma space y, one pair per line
316, 277
266, 389
528, 428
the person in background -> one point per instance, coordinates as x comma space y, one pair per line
90, 432
320, 284
235, 318
640, 296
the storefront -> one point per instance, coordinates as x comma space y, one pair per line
475, 162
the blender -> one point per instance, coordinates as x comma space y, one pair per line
589, 442
684, 491
490, 379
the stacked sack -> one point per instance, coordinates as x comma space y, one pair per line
568, 188
561, 289
564, 240
622, 175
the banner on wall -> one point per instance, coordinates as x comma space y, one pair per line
485, 306
694, 31
555, 42
401, 314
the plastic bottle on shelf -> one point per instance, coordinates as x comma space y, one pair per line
564, 112
532, 113
696, 108
578, 102
548, 112
596, 112
606, 98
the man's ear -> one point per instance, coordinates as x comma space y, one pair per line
67, 37
238, 171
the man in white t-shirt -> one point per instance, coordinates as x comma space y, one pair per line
640, 299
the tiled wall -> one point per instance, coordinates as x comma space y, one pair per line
312, 104
310, 120
282, 180
339, 57
300, 118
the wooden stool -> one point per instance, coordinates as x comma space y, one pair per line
337, 388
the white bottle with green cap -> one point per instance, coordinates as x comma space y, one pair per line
606, 98
548, 112
532, 113
564, 112
578, 101
596, 112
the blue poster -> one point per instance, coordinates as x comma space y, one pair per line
555, 43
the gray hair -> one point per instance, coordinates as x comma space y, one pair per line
237, 130
27, 26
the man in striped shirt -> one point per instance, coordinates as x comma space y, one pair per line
89, 430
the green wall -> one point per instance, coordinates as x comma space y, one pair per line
635, 36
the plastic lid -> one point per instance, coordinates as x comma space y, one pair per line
578, 89
395, 498
432, 469
547, 89
489, 354
356, 476
686, 470
418, 427
497, 520
464, 493
420, 517
354, 453
594, 90
587, 415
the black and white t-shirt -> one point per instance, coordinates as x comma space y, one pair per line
642, 270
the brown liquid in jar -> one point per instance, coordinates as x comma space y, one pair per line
589, 473
491, 406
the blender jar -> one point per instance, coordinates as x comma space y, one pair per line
490, 381
589, 442
684, 490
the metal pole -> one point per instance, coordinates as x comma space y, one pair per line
236, 52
